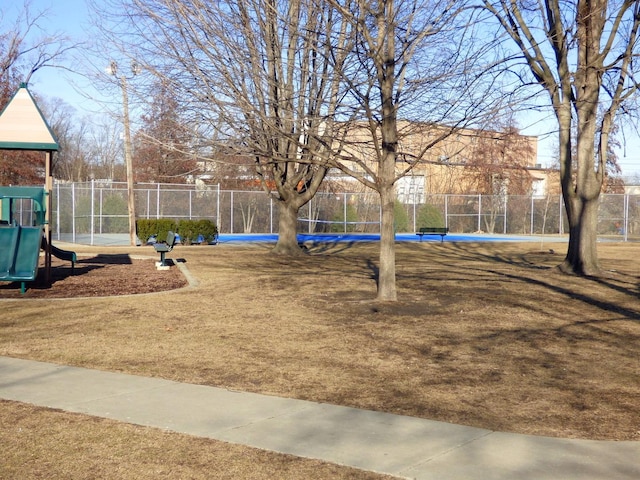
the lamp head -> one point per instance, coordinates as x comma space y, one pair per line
112, 69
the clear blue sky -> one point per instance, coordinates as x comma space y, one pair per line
70, 18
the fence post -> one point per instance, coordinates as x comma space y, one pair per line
626, 217
446, 211
479, 212
414, 211
560, 219
92, 215
533, 206
231, 215
505, 214
218, 210
101, 214
344, 211
58, 210
73, 212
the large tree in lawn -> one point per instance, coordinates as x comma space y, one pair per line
581, 53
410, 79
256, 75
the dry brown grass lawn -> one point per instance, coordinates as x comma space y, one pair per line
38, 443
489, 335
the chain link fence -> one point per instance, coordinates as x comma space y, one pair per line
84, 211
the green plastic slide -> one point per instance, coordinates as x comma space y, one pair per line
19, 253
8, 243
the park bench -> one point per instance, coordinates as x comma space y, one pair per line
163, 247
442, 231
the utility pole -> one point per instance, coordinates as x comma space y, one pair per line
131, 203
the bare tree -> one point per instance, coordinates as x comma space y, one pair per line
255, 75
103, 149
499, 163
70, 162
409, 70
498, 167
613, 182
236, 172
162, 144
22, 53
582, 55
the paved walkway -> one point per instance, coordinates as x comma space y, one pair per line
403, 446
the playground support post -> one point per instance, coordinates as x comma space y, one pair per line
48, 188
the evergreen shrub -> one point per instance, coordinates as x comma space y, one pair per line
197, 231
401, 217
429, 216
158, 227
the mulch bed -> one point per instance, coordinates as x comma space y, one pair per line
98, 276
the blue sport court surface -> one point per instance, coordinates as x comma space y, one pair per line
375, 237
231, 238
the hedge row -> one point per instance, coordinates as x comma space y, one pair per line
189, 230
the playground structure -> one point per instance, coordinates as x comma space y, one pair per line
22, 127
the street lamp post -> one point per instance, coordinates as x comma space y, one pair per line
113, 69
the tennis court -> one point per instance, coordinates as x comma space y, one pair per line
123, 239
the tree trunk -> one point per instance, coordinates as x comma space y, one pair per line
387, 272
582, 255
581, 186
287, 243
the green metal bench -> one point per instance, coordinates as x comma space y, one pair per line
442, 231
164, 247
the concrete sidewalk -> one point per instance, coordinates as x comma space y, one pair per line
402, 446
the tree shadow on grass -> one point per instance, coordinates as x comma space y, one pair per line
504, 341
543, 270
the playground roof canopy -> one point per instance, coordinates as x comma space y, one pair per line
22, 126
